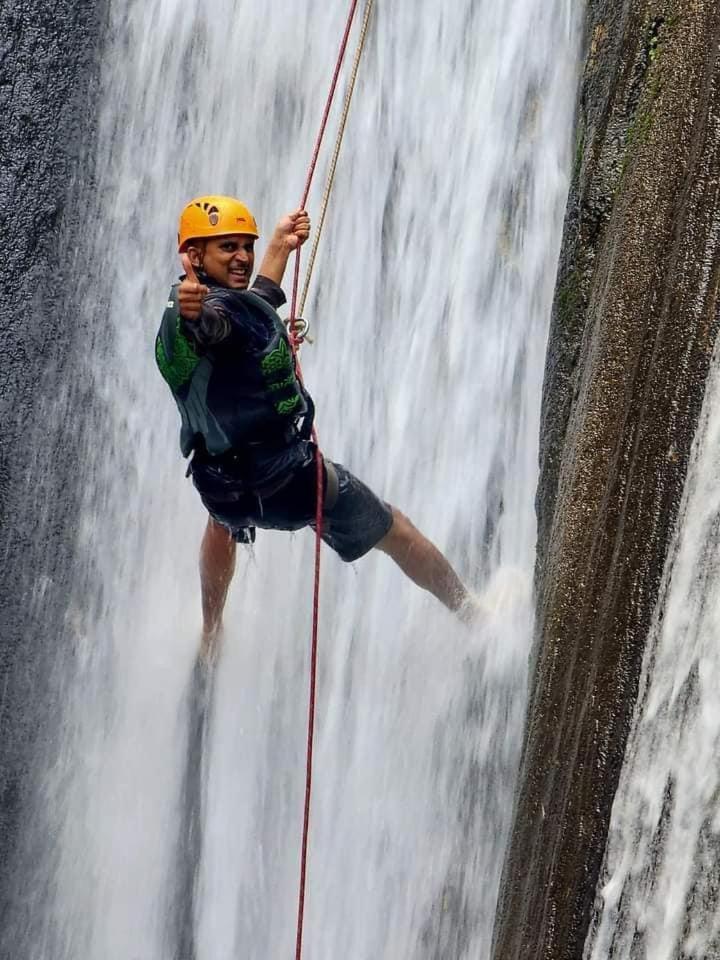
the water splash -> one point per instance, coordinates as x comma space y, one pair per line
430, 313
658, 897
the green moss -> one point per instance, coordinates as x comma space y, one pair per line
653, 42
671, 21
567, 299
639, 129
579, 149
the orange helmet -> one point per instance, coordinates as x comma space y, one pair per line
214, 217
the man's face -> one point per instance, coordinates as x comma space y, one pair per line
228, 261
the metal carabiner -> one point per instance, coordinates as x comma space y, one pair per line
300, 328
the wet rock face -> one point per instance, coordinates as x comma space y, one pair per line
48, 85
635, 319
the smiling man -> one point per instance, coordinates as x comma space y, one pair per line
246, 418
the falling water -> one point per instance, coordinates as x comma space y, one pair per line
429, 313
659, 895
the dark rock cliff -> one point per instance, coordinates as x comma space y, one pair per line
49, 70
634, 324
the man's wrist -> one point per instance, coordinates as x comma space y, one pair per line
275, 261
278, 247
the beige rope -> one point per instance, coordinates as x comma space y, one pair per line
336, 153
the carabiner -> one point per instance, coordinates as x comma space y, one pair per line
300, 328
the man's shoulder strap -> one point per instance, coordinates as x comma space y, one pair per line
170, 319
255, 300
175, 355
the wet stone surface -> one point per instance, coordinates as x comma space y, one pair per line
634, 325
48, 84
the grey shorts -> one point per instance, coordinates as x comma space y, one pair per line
352, 526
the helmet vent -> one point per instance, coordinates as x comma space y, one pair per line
214, 216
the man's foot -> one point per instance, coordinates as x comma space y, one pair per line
473, 611
421, 560
509, 590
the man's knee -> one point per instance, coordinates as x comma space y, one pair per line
400, 533
218, 542
217, 531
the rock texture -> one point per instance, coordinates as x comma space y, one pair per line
635, 319
48, 85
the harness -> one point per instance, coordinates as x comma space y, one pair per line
233, 399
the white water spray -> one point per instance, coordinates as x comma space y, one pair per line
659, 893
430, 310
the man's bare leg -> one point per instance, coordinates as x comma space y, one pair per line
217, 565
421, 560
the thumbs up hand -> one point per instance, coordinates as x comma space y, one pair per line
191, 292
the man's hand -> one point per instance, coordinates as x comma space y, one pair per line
190, 298
190, 292
292, 231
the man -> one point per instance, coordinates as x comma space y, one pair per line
246, 418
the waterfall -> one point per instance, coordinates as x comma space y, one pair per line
429, 312
658, 891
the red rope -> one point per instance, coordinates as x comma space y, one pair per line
316, 151
319, 469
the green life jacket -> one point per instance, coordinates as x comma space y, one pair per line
226, 395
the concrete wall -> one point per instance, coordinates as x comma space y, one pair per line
634, 324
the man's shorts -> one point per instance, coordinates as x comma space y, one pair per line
353, 525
